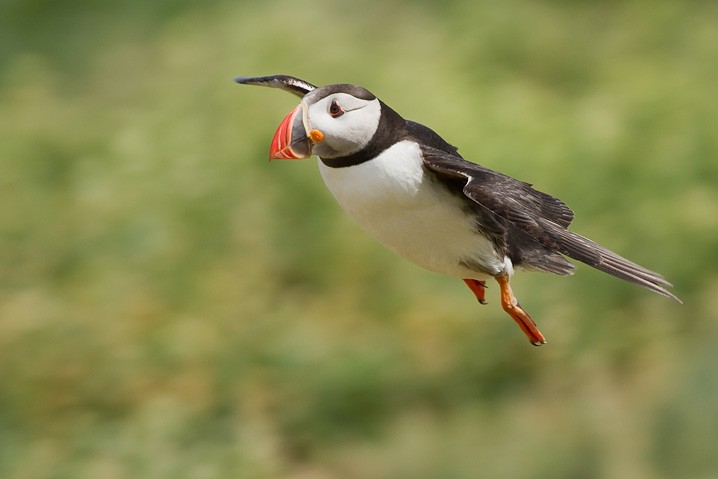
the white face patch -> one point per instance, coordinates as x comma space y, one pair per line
347, 122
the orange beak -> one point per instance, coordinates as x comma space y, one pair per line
291, 141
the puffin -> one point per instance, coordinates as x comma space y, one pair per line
414, 193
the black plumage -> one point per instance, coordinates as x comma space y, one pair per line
539, 223
528, 225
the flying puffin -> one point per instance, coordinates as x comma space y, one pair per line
413, 191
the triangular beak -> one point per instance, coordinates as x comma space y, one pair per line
290, 141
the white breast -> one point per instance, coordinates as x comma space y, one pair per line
408, 212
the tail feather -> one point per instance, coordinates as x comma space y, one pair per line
588, 252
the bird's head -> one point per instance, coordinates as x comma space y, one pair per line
330, 121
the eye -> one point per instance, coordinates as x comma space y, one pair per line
335, 110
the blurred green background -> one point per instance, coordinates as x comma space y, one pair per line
172, 305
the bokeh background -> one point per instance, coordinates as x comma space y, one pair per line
172, 305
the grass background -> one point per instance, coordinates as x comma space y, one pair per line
174, 306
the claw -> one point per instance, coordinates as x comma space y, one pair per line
478, 288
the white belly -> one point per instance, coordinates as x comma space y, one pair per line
394, 201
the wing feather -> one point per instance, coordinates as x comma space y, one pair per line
543, 217
288, 83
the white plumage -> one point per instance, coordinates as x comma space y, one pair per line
394, 200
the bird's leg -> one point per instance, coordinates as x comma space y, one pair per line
478, 288
522, 318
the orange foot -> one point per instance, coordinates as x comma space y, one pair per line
478, 288
522, 318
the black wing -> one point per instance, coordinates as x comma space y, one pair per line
287, 83
541, 216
